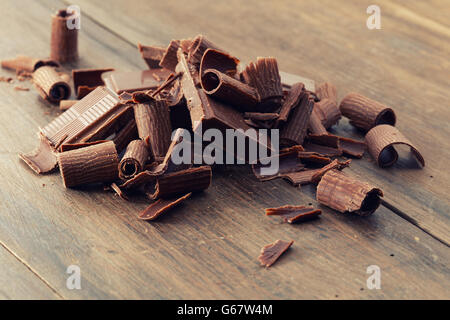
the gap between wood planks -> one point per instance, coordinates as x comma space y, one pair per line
48, 285
386, 204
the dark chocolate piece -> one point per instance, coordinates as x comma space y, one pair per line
315, 124
152, 55
327, 90
90, 78
73, 146
271, 252
220, 61
135, 80
294, 131
50, 85
134, 159
64, 40
41, 160
119, 191
365, 113
381, 140
161, 206
27, 64
292, 101
348, 194
294, 214
328, 112
288, 162
198, 47
169, 59
352, 147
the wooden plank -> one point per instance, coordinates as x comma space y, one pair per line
404, 65
18, 282
205, 249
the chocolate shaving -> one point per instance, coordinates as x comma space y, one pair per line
27, 64
328, 112
229, 90
220, 61
42, 159
50, 85
161, 206
271, 252
288, 162
134, 159
294, 214
182, 182
19, 88
315, 124
151, 55
352, 147
347, 194
313, 158
198, 47
64, 40
365, 113
335, 164
292, 100
119, 191
294, 131
90, 78
96, 163
313, 175
169, 59
74, 146
125, 135
381, 140
327, 90
145, 177
264, 76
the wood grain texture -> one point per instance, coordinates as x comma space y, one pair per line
208, 247
404, 65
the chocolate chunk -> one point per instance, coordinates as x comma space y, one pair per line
135, 80
41, 160
96, 163
315, 124
220, 61
328, 112
27, 64
381, 140
292, 100
152, 55
348, 194
335, 164
271, 252
50, 85
198, 47
82, 116
161, 206
294, 214
169, 59
365, 113
264, 76
294, 131
64, 40
229, 90
352, 147
90, 78
134, 159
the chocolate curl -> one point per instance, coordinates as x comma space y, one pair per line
154, 127
264, 76
328, 112
381, 140
134, 159
220, 61
182, 182
271, 252
169, 59
292, 100
229, 90
294, 131
96, 163
198, 47
160, 207
152, 55
125, 135
365, 113
64, 40
66, 104
294, 214
27, 64
327, 90
50, 85
347, 194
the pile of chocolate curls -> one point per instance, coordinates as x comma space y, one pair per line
124, 127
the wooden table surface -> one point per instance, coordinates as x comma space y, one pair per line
207, 248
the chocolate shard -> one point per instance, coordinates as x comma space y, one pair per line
313, 175
335, 164
145, 177
328, 112
315, 124
198, 47
288, 162
90, 78
169, 59
327, 90
292, 100
134, 159
125, 135
289, 79
264, 76
294, 131
271, 252
76, 122
348, 194
161, 206
23, 63
294, 214
365, 113
41, 160
135, 80
381, 140
50, 85
119, 191
229, 90
220, 61
352, 147
328, 140
152, 55
96, 163
182, 182
66, 104
154, 127
64, 40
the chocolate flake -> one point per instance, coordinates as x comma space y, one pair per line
293, 99
271, 252
161, 206
43, 159
294, 214
294, 131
